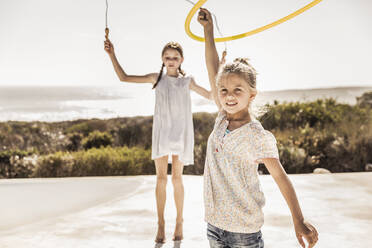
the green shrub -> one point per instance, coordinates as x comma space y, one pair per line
130, 136
365, 100
106, 161
136, 132
54, 165
86, 127
13, 165
74, 141
97, 139
318, 114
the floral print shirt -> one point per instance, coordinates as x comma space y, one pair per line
233, 197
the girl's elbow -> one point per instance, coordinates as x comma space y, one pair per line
210, 95
123, 79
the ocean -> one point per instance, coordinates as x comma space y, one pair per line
53, 104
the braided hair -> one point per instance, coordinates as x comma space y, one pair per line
170, 45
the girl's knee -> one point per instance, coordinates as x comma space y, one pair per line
161, 179
177, 179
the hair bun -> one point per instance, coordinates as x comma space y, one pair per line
242, 60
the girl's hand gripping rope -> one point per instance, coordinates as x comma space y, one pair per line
109, 47
205, 19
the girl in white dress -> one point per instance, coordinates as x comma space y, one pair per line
173, 132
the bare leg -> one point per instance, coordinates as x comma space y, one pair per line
179, 194
161, 165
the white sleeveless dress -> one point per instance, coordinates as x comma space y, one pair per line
173, 129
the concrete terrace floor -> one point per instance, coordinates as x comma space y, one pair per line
110, 212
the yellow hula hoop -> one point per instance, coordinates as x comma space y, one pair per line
252, 32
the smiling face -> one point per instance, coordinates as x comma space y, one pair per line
234, 93
172, 59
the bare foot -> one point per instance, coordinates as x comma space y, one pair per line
178, 232
160, 236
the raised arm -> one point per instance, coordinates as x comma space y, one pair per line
148, 78
211, 55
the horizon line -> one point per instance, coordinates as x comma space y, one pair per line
109, 86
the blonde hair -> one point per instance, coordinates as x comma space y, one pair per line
242, 68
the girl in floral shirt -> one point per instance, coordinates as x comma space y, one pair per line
232, 193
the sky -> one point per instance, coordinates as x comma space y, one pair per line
60, 43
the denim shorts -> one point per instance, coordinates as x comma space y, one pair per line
219, 238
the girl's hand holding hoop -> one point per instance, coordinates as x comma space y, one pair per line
205, 18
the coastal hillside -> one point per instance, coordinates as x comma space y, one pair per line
316, 134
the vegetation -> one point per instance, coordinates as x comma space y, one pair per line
322, 133
97, 139
105, 161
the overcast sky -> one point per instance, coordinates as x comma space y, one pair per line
61, 42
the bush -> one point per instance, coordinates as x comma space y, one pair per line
97, 139
317, 114
136, 132
365, 100
86, 127
130, 136
14, 165
96, 162
74, 141
54, 165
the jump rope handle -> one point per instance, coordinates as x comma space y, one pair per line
223, 59
107, 33
204, 16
